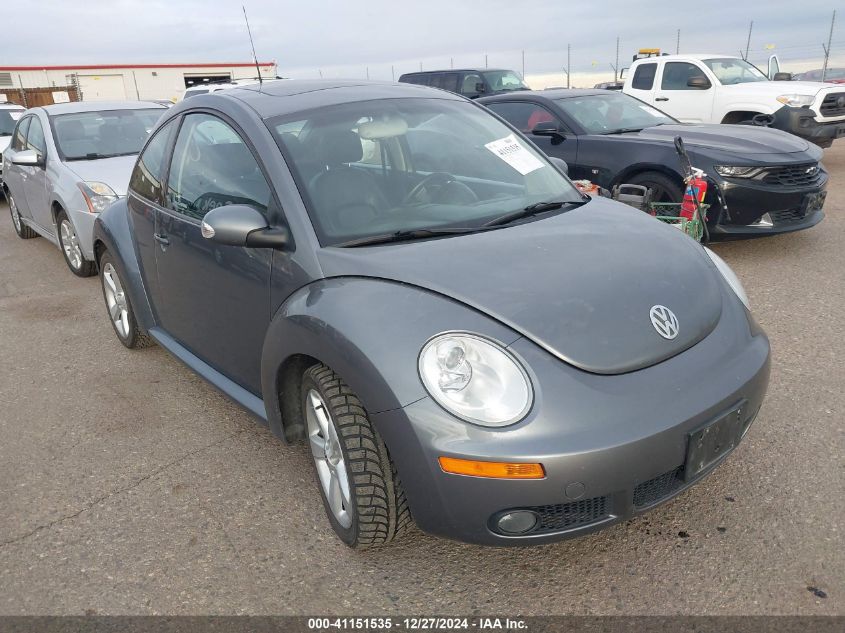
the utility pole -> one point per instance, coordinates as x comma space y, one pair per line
827, 48
523, 64
420, 66
392, 73
368, 72
678, 43
748, 41
567, 65
451, 62
616, 67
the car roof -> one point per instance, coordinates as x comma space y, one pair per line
75, 107
698, 56
286, 96
551, 94
459, 70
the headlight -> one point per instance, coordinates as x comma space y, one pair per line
797, 100
98, 195
475, 379
733, 170
730, 276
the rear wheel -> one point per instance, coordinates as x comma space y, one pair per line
361, 491
663, 188
71, 249
24, 232
120, 307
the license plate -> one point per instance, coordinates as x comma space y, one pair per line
813, 201
708, 444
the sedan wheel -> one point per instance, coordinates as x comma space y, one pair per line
361, 490
119, 306
24, 232
71, 249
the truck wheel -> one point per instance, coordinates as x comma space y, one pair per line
361, 491
69, 243
663, 188
24, 232
121, 315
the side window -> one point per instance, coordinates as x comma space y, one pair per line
213, 167
469, 84
146, 177
19, 141
522, 115
450, 82
676, 75
644, 77
35, 137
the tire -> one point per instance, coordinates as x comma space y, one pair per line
71, 250
664, 188
24, 232
375, 511
119, 307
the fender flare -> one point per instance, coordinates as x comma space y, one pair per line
368, 330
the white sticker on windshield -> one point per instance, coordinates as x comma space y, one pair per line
510, 150
652, 111
16, 115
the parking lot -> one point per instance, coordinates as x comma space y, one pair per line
130, 486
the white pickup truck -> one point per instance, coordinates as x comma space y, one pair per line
723, 89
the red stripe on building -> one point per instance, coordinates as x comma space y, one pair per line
122, 66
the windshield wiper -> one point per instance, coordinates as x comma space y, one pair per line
533, 209
407, 235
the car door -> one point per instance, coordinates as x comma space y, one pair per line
525, 115
642, 82
35, 177
680, 100
13, 175
214, 299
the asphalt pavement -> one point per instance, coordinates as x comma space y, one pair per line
130, 486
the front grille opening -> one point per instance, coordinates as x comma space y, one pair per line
792, 175
568, 516
659, 488
787, 216
830, 105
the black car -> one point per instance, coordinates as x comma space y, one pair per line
761, 181
469, 82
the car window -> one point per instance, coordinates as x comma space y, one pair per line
677, 74
644, 77
103, 134
8, 120
729, 71
446, 81
212, 167
504, 80
19, 140
373, 167
35, 137
522, 115
611, 112
469, 86
146, 177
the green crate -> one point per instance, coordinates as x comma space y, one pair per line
669, 212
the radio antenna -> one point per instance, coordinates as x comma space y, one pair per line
254, 56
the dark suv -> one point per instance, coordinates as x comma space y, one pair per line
469, 82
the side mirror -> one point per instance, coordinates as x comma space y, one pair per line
479, 87
241, 225
549, 128
28, 157
699, 82
782, 77
560, 164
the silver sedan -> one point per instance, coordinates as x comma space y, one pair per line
67, 163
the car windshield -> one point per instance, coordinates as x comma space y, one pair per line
502, 80
90, 135
612, 113
377, 167
8, 119
730, 70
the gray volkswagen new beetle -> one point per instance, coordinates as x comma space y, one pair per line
396, 277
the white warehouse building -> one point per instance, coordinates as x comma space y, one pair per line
129, 81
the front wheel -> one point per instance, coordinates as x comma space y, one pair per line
120, 307
361, 491
71, 249
663, 188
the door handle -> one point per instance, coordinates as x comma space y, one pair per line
662, 99
161, 239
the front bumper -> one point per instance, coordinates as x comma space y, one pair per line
802, 122
612, 446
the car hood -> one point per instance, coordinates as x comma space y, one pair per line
735, 139
775, 88
114, 172
580, 284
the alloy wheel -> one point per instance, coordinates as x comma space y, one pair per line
328, 457
70, 244
116, 300
16, 217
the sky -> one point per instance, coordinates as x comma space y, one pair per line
385, 38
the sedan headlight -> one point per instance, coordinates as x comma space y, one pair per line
98, 195
796, 100
730, 276
475, 379
734, 171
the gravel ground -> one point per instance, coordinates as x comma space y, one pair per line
129, 486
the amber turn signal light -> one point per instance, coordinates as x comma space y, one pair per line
495, 470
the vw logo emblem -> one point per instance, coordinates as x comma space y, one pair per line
664, 321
